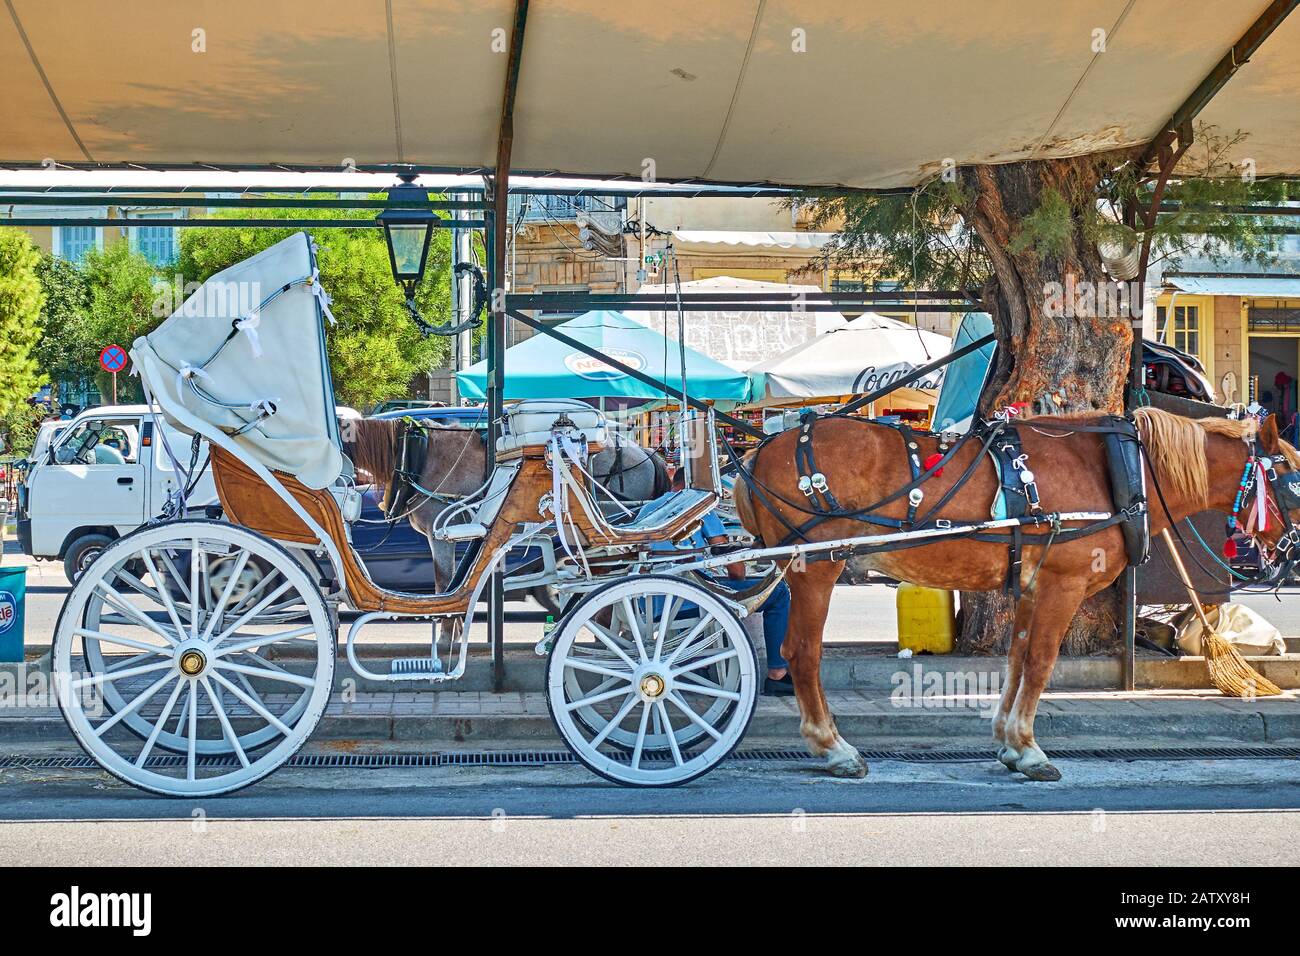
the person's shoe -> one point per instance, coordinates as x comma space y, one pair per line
779, 686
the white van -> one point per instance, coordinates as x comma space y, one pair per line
104, 475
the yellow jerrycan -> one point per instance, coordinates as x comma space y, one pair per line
927, 619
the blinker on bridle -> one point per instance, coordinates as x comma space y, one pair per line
1260, 475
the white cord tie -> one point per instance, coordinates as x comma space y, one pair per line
188, 372
248, 325
322, 296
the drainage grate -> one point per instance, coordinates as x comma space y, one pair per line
541, 758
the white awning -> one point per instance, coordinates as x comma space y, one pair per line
783, 241
1267, 287
802, 92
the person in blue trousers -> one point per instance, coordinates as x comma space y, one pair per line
775, 610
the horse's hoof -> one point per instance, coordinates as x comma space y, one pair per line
1008, 757
1041, 771
852, 768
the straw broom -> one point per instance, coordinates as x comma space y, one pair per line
1229, 671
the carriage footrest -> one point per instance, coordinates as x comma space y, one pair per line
412, 667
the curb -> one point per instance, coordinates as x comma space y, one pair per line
1174, 723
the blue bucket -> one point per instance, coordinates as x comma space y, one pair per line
13, 596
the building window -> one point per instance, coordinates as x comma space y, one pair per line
158, 244
1185, 333
848, 285
73, 242
887, 285
562, 208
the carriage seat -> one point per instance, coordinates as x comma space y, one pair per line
668, 510
529, 423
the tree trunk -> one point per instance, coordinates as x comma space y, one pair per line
1054, 362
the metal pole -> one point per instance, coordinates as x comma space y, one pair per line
462, 289
495, 359
500, 223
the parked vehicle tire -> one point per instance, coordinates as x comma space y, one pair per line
223, 683
657, 667
82, 553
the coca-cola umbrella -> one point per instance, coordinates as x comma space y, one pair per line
866, 354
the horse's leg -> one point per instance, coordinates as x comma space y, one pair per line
444, 571
810, 599
1057, 601
444, 567
1011, 686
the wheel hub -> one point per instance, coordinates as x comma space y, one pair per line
192, 662
652, 686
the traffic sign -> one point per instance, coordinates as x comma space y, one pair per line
113, 358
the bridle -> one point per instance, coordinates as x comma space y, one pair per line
1282, 556
1274, 495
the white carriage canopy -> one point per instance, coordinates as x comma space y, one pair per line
246, 353
865, 94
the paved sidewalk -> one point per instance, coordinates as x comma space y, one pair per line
1153, 718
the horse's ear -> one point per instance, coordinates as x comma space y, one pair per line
1268, 437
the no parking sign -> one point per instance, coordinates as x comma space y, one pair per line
112, 358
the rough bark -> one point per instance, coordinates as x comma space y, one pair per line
1055, 363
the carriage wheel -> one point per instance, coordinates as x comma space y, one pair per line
232, 685
659, 668
725, 674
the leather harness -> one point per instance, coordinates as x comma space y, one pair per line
1000, 439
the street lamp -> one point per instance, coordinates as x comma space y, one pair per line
408, 231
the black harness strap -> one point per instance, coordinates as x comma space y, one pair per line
911, 451
811, 481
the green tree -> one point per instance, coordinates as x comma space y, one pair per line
1016, 231
21, 299
66, 351
375, 350
122, 299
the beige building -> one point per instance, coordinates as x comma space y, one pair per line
159, 244
1242, 321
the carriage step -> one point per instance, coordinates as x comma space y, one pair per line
412, 667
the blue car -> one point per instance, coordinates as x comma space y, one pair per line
398, 558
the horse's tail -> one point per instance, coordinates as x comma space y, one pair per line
373, 449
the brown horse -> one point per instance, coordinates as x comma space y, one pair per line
1197, 465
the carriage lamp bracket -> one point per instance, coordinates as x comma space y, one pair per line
477, 305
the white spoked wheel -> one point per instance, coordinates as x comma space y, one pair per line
193, 697
651, 681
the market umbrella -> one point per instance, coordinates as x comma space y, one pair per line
543, 367
867, 354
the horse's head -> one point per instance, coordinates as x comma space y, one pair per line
1272, 486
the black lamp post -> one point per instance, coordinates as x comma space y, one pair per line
408, 231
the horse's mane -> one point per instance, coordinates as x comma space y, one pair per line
1177, 447
373, 448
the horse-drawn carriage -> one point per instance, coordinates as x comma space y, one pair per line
196, 656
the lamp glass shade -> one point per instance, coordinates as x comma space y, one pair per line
407, 243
